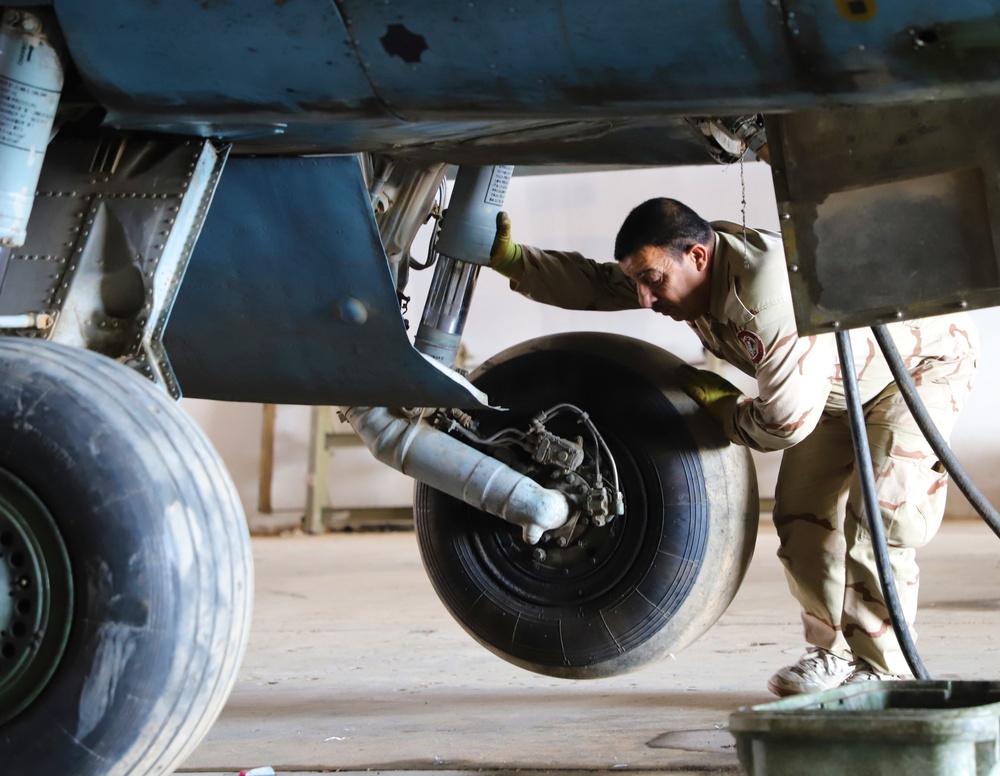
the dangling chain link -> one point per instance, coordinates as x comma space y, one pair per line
743, 210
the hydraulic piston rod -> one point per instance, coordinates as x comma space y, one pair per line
440, 331
414, 447
464, 245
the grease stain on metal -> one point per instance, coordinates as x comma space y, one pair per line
401, 42
857, 10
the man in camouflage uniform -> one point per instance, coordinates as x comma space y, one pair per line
733, 291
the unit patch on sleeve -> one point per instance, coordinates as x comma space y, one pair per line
755, 348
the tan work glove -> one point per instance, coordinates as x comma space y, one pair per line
716, 394
506, 256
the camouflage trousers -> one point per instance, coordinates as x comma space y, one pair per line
825, 544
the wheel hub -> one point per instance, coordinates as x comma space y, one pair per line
569, 572
36, 596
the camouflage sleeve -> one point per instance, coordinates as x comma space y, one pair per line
573, 282
793, 382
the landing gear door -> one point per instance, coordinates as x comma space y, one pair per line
289, 298
889, 214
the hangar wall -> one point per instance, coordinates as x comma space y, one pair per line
581, 212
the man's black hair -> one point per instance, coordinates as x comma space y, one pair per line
662, 223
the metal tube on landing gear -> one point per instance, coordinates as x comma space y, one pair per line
39, 321
413, 447
31, 80
467, 232
470, 222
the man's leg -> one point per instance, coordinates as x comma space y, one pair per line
809, 498
808, 514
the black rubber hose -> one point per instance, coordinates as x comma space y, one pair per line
863, 460
975, 496
4, 263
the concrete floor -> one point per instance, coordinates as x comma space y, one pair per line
354, 665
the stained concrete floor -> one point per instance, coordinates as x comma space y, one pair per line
354, 665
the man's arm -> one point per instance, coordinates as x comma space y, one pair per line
576, 283
558, 278
793, 383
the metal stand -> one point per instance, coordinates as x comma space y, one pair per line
321, 515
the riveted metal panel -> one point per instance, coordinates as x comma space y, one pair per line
314, 75
551, 58
203, 61
884, 51
111, 230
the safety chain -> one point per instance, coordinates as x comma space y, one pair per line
743, 210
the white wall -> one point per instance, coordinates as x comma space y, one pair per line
579, 212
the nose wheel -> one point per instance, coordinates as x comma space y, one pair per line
598, 600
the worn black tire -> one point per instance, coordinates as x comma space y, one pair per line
160, 560
645, 586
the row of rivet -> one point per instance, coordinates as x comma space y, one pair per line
104, 195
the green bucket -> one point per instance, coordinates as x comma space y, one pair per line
916, 728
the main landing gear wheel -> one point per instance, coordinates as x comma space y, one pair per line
625, 594
125, 570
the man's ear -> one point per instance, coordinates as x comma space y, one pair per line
699, 255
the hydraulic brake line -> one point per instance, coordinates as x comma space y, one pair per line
863, 458
509, 436
926, 424
432, 254
599, 442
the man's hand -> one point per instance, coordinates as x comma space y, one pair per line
711, 391
505, 255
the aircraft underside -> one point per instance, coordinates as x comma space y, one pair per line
219, 200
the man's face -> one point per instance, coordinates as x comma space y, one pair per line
670, 284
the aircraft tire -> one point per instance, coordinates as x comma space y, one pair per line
122, 535
644, 586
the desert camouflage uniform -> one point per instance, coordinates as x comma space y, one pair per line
801, 408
